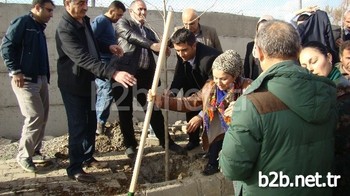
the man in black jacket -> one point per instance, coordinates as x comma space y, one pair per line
138, 43
252, 67
24, 51
78, 63
192, 70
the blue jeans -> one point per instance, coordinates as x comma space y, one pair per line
104, 99
81, 129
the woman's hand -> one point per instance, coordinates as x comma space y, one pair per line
154, 97
194, 123
229, 109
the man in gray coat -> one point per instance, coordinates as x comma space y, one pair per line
204, 34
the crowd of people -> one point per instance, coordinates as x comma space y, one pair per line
285, 110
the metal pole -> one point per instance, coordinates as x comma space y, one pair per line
300, 4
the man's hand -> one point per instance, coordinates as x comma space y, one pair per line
194, 123
339, 42
124, 78
311, 9
18, 79
155, 47
117, 50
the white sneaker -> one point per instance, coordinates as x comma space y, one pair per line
39, 158
27, 165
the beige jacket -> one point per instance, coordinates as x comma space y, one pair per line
210, 37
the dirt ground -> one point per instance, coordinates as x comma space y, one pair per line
152, 167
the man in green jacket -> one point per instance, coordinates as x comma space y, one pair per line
280, 141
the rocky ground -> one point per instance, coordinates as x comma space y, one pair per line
152, 169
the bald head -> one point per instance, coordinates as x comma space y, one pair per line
190, 20
189, 14
346, 20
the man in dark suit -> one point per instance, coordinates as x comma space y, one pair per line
252, 67
192, 70
78, 64
138, 43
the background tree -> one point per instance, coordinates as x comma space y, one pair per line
336, 14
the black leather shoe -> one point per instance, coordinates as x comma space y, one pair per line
206, 155
191, 146
96, 164
83, 177
210, 170
177, 149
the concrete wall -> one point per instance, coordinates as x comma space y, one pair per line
234, 32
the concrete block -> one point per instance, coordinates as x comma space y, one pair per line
23, 175
209, 185
226, 185
184, 189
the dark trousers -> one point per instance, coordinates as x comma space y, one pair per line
81, 117
214, 150
194, 136
123, 99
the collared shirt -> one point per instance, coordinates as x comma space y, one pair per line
191, 61
346, 31
199, 36
144, 59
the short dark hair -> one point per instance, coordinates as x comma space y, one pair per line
117, 4
42, 2
343, 46
303, 17
183, 36
319, 46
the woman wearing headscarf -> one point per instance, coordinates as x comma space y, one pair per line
216, 99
